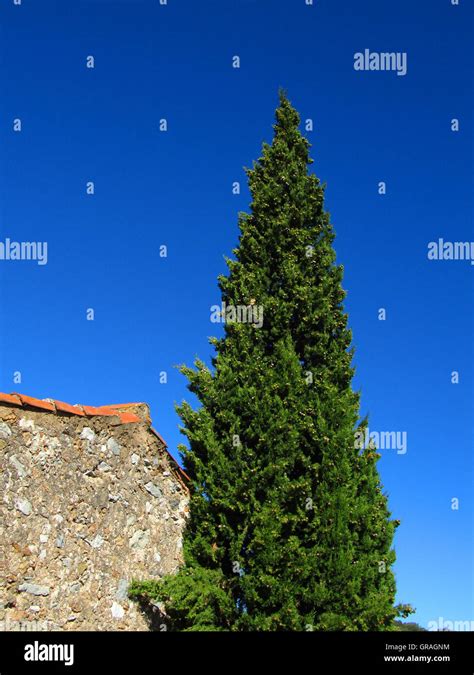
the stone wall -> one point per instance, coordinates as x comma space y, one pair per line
87, 504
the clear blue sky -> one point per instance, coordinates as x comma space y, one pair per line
175, 188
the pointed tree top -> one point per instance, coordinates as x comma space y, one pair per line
286, 116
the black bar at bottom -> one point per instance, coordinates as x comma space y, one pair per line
154, 652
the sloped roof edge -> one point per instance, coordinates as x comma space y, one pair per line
59, 407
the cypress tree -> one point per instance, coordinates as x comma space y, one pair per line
289, 528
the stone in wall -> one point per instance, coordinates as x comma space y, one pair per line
87, 504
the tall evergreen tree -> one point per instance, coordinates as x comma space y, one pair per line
289, 528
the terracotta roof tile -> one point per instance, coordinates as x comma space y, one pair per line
71, 409
92, 411
54, 406
51, 405
126, 418
13, 399
36, 403
120, 405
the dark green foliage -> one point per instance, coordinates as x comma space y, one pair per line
289, 529
409, 626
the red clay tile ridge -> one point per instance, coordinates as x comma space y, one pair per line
51, 405
127, 413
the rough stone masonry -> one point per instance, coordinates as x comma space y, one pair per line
90, 499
